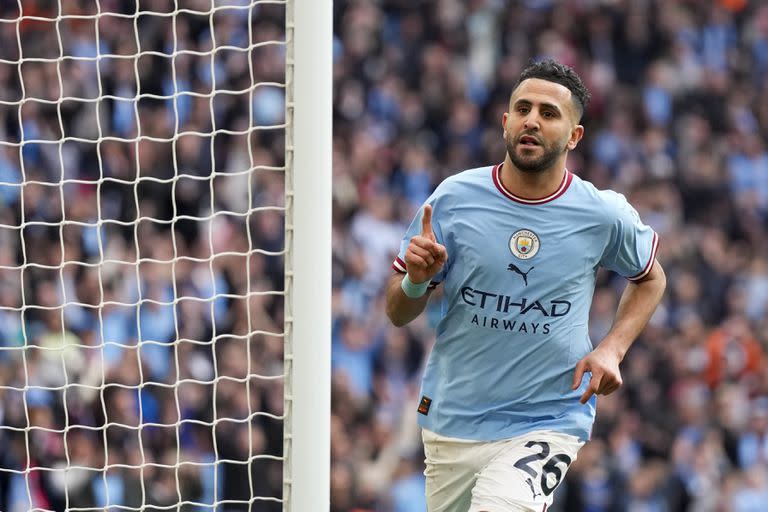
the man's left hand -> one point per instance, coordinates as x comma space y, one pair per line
603, 364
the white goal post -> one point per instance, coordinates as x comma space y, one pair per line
308, 423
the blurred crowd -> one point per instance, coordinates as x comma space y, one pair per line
137, 328
678, 123
141, 340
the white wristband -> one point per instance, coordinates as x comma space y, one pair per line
413, 290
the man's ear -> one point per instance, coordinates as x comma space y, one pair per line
576, 134
504, 122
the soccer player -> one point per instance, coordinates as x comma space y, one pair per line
508, 394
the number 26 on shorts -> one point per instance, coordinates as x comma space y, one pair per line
552, 471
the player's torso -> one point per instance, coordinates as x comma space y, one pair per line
520, 268
517, 293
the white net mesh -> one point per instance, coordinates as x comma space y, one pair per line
141, 254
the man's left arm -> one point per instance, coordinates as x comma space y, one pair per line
637, 304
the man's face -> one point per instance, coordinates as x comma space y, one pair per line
541, 125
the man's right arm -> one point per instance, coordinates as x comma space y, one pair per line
424, 259
401, 309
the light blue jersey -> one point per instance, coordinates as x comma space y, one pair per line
517, 290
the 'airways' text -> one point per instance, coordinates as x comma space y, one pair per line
510, 325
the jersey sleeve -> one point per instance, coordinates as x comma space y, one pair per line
415, 229
632, 247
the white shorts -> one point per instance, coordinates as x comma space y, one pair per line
517, 474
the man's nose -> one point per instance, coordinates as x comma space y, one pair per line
531, 122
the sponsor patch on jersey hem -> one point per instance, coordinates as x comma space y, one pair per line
424, 405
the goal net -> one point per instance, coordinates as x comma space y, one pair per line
142, 254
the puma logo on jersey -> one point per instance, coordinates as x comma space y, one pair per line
530, 484
513, 268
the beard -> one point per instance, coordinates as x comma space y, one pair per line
534, 164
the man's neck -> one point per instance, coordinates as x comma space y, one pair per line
531, 185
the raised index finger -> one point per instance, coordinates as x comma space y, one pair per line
426, 222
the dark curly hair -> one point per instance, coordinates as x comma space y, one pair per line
553, 71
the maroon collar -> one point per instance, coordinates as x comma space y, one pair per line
567, 178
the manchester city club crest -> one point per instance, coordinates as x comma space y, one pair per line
524, 244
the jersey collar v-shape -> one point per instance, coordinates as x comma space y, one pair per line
496, 172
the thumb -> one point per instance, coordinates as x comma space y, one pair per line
578, 374
426, 222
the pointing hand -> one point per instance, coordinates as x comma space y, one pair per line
424, 257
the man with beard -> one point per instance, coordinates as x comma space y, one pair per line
508, 395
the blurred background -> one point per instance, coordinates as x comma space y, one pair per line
134, 307
678, 123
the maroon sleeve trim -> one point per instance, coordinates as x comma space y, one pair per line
648, 265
